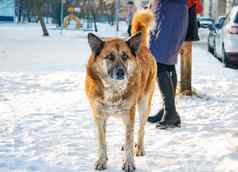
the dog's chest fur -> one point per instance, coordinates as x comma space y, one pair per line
114, 101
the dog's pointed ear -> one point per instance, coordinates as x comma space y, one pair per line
95, 43
134, 42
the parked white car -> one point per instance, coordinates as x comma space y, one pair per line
213, 29
205, 22
226, 39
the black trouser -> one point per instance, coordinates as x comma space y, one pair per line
172, 72
167, 82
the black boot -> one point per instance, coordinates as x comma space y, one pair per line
170, 117
157, 117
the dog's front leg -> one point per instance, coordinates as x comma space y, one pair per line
129, 164
101, 163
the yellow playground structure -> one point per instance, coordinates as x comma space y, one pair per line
70, 17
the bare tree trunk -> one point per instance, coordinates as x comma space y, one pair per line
229, 4
117, 13
210, 8
19, 15
111, 11
39, 11
94, 21
28, 17
43, 26
93, 8
20, 6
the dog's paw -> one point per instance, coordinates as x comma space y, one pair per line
101, 165
139, 150
129, 166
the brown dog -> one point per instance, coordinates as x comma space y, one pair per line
121, 77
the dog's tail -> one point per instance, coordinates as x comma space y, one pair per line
142, 22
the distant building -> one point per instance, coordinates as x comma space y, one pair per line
141, 3
216, 8
7, 10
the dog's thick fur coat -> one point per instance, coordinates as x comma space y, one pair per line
121, 77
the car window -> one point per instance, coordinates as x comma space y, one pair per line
205, 19
236, 18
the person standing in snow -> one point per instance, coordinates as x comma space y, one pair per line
131, 10
175, 22
167, 36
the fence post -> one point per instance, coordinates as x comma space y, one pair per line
186, 69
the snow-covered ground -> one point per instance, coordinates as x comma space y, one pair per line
46, 124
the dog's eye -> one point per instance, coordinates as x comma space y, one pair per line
124, 57
110, 57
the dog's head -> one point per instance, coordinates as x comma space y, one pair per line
114, 59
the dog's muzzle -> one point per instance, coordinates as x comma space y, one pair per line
118, 72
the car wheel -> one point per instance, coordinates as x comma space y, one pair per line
210, 49
215, 52
224, 57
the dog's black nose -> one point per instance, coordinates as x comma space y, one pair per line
120, 74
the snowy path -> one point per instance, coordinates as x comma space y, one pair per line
46, 125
